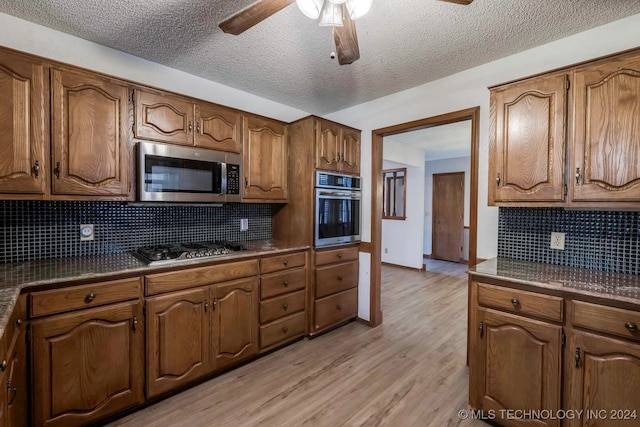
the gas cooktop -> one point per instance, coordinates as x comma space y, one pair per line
162, 254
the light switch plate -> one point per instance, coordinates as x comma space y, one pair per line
557, 241
86, 232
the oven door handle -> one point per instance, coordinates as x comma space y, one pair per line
340, 194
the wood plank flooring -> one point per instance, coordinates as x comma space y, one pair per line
408, 372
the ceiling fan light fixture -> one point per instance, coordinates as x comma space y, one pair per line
337, 1
310, 8
331, 15
358, 8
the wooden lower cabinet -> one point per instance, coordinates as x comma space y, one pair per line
87, 365
517, 367
178, 339
234, 319
603, 381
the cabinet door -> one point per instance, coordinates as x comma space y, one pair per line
177, 339
517, 366
329, 146
24, 125
350, 157
16, 380
163, 118
528, 141
606, 148
87, 365
604, 375
218, 128
266, 159
89, 135
235, 321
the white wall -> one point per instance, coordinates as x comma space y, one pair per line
469, 89
458, 164
42, 41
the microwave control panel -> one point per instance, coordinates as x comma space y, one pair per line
233, 179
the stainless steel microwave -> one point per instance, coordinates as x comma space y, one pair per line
171, 173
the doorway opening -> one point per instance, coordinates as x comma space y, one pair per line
377, 136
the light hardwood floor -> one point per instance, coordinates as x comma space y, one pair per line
408, 372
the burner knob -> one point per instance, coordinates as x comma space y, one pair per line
188, 255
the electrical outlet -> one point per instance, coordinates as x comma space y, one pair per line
557, 241
86, 232
386, 251
244, 224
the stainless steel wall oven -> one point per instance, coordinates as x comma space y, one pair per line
338, 206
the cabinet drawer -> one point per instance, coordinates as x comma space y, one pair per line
278, 307
84, 296
617, 321
336, 278
282, 330
277, 284
337, 255
523, 302
336, 308
183, 279
282, 262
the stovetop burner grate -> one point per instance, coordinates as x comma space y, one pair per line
179, 251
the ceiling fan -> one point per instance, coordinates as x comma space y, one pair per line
339, 14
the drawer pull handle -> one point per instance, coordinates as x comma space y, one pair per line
515, 302
285, 329
89, 298
631, 327
285, 262
285, 283
3, 365
285, 306
13, 390
339, 255
57, 170
339, 307
36, 168
340, 278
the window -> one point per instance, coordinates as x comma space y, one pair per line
394, 194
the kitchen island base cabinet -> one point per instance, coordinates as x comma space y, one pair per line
604, 380
178, 331
87, 365
517, 366
235, 307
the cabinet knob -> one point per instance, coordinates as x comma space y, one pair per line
285, 262
285, 329
285, 283
18, 323
515, 302
631, 327
3, 365
339, 307
340, 278
339, 255
89, 298
578, 176
190, 126
285, 306
498, 179
36, 168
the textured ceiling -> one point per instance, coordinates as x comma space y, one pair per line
403, 43
440, 142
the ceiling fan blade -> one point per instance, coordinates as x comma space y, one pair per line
463, 2
252, 15
346, 40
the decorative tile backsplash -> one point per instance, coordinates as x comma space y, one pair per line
34, 230
599, 240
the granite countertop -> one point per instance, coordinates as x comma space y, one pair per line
17, 276
577, 281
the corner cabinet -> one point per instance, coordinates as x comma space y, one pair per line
265, 152
24, 121
91, 147
337, 148
606, 150
527, 141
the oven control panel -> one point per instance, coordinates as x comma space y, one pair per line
233, 179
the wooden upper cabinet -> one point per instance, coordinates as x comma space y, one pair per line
329, 146
24, 126
265, 160
518, 365
603, 379
87, 365
350, 163
163, 118
90, 136
234, 315
606, 150
527, 142
218, 128
178, 332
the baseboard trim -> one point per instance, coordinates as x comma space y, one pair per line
363, 322
426, 256
403, 266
